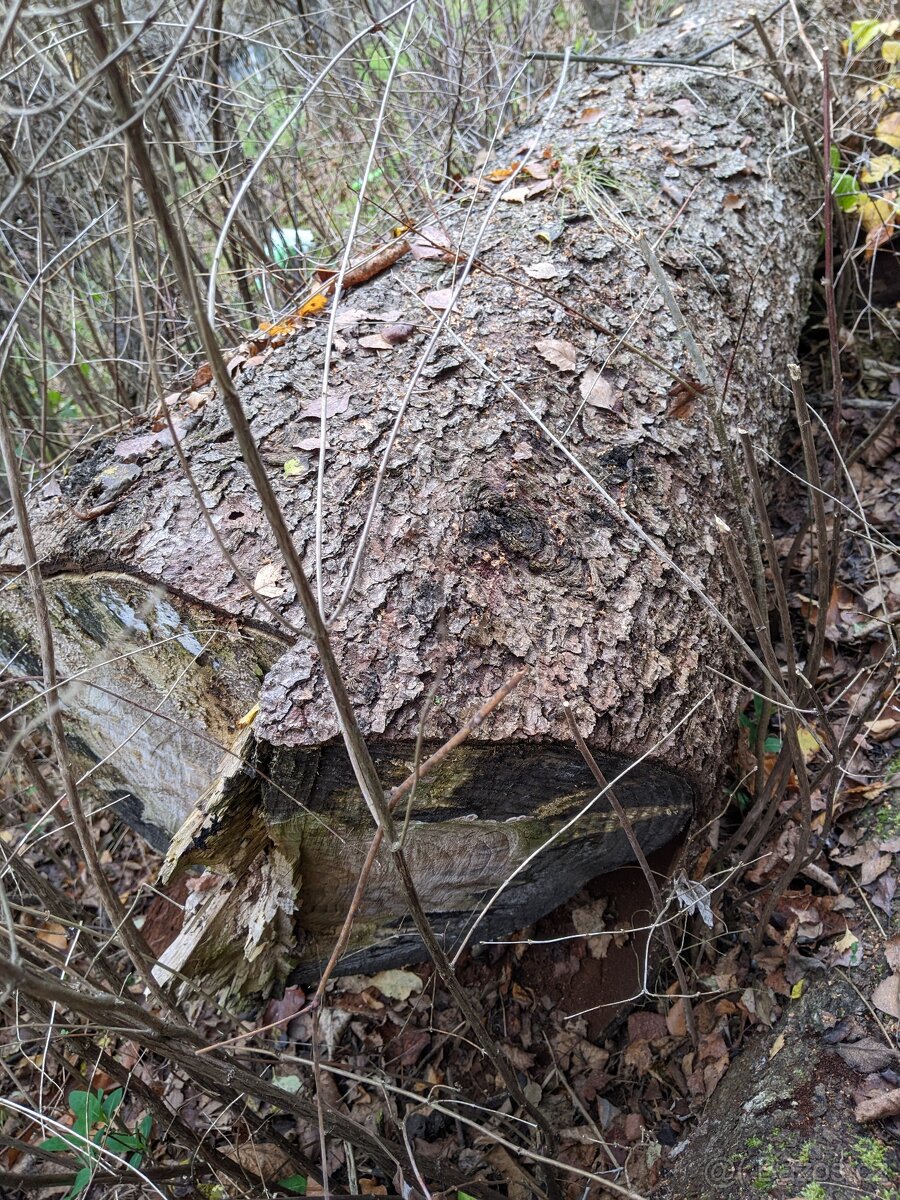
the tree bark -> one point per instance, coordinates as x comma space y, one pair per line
556, 459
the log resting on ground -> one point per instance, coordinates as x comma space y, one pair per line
490, 550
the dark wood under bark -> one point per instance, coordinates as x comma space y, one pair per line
490, 550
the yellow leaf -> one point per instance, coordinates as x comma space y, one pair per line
798, 989
876, 214
866, 31
809, 744
890, 52
312, 306
249, 717
880, 166
847, 941
777, 1046
888, 130
282, 330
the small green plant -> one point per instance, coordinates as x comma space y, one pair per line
872, 1154
92, 1132
754, 1143
814, 1191
887, 822
805, 1154
295, 1184
844, 185
750, 722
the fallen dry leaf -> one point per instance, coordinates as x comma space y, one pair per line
396, 984
431, 242
337, 402
288, 1006
347, 317
516, 195
536, 189
51, 933
541, 270
195, 400
676, 1018
874, 867
558, 353
501, 173
647, 1026
439, 298
145, 444
880, 166
683, 395
266, 581
888, 130
597, 391
886, 996
374, 341
684, 106
263, 1158
867, 1056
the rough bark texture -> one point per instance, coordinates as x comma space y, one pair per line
490, 550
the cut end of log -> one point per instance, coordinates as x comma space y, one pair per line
496, 837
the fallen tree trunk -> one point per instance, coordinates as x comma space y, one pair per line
547, 505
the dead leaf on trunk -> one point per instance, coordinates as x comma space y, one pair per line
439, 298
558, 353
598, 391
431, 242
374, 341
517, 195
541, 270
267, 583
337, 402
